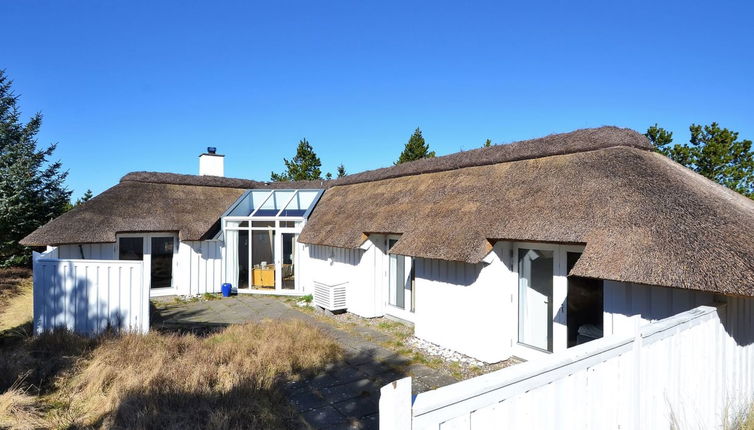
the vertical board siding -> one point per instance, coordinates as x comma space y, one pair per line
87, 251
199, 267
87, 296
623, 303
454, 299
333, 266
691, 370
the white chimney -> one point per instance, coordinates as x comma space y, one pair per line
212, 164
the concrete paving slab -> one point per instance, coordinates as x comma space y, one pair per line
346, 395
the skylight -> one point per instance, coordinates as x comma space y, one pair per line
275, 203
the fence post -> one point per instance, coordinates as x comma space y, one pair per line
36, 291
395, 405
637, 394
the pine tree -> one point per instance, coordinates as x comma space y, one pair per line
487, 143
341, 170
85, 198
31, 187
713, 152
304, 166
415, 149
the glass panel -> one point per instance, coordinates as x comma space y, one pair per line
257, 197
411, 282
263, 259
271, 207
265, 224
131, 248
535, 272
266, 212
243, 259
396, 284
289, 261
300, 204
162, 262
231, 260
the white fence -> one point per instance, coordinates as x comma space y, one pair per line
682, 372
88, 296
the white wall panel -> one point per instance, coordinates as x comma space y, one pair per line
467, 307
200, 267
691, 370
332, 266
87, 296
88, 251
624, 303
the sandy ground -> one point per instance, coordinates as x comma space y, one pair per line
16, 306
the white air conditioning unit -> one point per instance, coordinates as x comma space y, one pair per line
330, 297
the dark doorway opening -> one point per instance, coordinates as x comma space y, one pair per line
585, 306
243, 259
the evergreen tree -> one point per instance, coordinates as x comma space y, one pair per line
487, 143
85, 198
415, 149
341, 170
713, 152
304, 166
31, 187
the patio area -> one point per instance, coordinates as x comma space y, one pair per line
347, 394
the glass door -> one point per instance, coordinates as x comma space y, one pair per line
400, 282
396, 296
242, 256
263, 259
535, 274
161, 270
288, 266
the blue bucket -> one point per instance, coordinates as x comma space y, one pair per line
226, 289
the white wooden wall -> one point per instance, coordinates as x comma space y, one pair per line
624, 303
200, 268
693, 370
468, 307
87, 296
88, 251
356, 267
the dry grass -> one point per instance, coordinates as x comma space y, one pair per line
741, 421
229, 379
15, 298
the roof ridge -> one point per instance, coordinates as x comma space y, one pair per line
582, 140
215, 181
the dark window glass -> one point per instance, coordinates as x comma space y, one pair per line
267, 212
162, 262
131, 248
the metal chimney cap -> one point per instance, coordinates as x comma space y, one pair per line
211, 150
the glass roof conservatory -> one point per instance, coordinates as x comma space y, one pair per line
275, 204
261, 239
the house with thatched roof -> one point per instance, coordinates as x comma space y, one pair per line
520, 249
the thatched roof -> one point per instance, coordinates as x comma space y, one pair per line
152, 202
217, 181
643, 218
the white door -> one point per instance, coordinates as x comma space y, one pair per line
400, 284
535, 272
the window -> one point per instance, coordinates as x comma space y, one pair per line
131, 248
162, 262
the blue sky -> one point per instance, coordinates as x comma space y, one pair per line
148, 85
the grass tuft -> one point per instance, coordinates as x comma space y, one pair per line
228, 379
